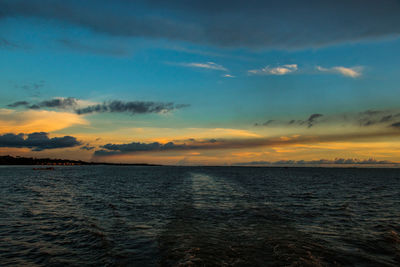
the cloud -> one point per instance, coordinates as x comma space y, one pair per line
37, 120
87, 147
207, 65
228, 76
61, 103
222, 144
268, 122
18, 104
81, 107
133, 107
137, 147
227, 23
337, 161
57, 103
37, 141
362, 119
353, 72
396, 125
376, 117
311, 120
280, 70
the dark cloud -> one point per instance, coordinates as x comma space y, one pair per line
370, 117
37, 141
137, 147
217, 144
311, 120
62, 103
87, 147
133, 107
115, 106
373, 117
364, 119
268, 122
18, 104
113, 149
231, 23
337, 161
195, 141
96, 49
371, 112
386, 118
58, 103
34, 106
396, 125
179, 106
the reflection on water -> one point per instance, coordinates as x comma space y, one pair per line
215, 216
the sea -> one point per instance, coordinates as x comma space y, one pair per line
199, 216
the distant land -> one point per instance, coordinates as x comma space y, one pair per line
9, 160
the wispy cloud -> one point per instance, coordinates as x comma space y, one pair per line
368, 118
280, 70
228, 76
206, 65
352, 72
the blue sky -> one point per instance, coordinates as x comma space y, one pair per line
232, 64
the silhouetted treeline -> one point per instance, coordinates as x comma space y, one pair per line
9, 160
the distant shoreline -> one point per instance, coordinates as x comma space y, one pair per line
9, 160
21, 161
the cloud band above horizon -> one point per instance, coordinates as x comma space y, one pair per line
218, 144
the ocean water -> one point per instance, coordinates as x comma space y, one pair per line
199, 216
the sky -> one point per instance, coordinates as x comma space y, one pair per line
201, 82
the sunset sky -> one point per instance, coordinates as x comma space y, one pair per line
201, 82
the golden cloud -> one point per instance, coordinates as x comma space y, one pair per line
28, 121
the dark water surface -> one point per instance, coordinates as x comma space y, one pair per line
202, 216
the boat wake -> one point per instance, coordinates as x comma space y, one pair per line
212, 228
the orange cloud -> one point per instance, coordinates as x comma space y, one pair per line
28, 121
